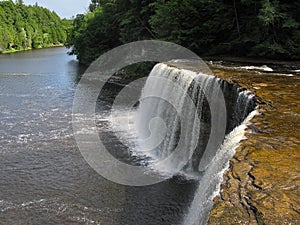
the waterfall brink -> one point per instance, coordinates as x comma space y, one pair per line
190, 124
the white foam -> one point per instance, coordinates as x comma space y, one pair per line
261, 68
209, 184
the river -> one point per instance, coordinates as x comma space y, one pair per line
44, 178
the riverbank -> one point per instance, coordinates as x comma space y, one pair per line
262, 183
9, 51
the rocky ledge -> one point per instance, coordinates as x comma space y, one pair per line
262, 185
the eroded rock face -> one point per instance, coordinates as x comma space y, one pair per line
262, 185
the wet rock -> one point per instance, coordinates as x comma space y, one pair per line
262, 185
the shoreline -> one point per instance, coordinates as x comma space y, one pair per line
11, 51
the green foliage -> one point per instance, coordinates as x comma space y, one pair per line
264, 28
109, 24
24, 27
277, 29
196, 25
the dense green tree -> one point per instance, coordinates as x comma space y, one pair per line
109, 24
264, 28
24, 27
196, 25
94, 5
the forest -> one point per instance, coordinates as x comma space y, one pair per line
27, 27
252, 28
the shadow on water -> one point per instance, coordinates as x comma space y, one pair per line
163, 203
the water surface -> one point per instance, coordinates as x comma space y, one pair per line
44, 179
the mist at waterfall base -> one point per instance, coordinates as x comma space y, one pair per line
159, 127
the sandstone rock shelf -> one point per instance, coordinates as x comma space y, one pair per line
262, 185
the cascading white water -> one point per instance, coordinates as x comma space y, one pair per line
172, 118
160, 127
244, 104
158, 121
209, 183
183, 128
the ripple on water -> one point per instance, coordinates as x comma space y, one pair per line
55, 210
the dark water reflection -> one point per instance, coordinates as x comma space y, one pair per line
43, 177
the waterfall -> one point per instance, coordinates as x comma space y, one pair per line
181, 119
209, 184
191, 123
163, 104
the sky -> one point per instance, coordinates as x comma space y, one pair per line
64, 8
